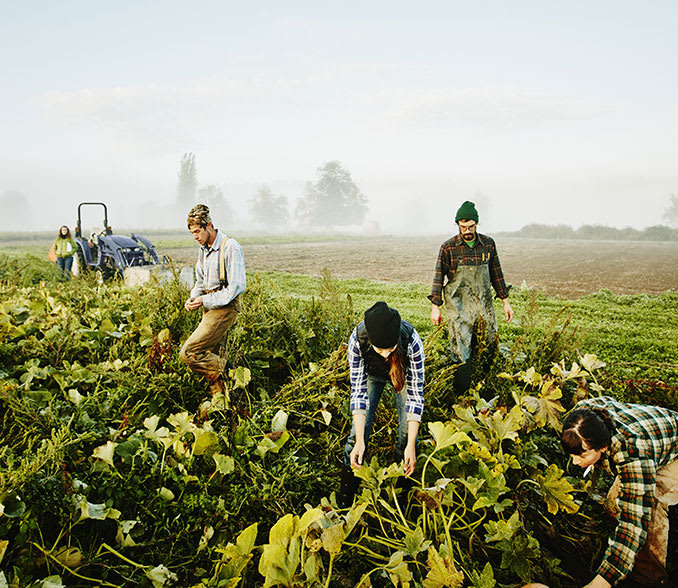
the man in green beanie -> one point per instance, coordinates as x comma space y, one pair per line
466, 272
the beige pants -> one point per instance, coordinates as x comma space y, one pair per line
650, 564
199, 351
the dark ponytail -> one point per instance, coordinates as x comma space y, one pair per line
396, 368
592, 427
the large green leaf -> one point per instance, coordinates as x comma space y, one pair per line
415, 543
397, 570
484, 579
501, 530
446, 434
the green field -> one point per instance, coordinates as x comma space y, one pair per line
111, 475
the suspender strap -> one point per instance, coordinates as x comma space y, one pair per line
222, 260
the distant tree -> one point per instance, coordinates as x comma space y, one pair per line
659, 233
188, 181
213, 196
598, 233
671, 214
15, 208
268, 209
333, 200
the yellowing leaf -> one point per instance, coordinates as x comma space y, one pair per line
246, 539
182, 422
442, 571
105, 452
225, 463
282, 532
591, 362
333, 538
279, 422
205, 442
160, 576
557, 491
165, 494
308, 518
267, 444
207, 534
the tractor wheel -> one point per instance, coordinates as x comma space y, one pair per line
107, 271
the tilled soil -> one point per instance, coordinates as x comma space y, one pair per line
567, 268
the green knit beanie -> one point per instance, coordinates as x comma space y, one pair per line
467, 211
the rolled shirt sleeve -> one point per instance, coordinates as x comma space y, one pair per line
636, 501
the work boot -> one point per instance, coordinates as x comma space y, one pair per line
462, 378
348, 486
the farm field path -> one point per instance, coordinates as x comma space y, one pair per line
564, 268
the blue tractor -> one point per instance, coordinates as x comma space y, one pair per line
108, 255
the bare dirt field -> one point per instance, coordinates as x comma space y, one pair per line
567, 268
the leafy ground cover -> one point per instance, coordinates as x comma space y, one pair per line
115, 470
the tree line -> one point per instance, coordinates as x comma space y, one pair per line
595, 233
333, 199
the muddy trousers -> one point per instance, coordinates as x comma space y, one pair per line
650, 564
199, 350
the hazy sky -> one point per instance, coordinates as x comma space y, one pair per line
558, 112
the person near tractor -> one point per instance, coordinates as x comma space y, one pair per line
64, 249
383, 348
638, 445
467, 270
219, 281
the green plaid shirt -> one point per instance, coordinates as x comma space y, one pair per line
454, 252
646, 440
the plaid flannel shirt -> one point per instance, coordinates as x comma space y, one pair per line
646, 440
207, 272
414, 405
454, 251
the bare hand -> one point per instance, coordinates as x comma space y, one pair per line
357, 454
535, 585
193, 303
508, 311
410, 460
436, 315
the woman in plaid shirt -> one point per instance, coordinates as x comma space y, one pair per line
638, 444
383, 349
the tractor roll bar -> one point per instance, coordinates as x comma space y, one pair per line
78, 228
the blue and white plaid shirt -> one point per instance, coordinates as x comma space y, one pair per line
207, 272
415, 377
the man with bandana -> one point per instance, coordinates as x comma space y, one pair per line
219, 281
467, 271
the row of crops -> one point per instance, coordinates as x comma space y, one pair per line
115, 470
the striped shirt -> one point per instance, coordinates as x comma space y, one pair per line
455, 252
645, 441
207, 272
414, 404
